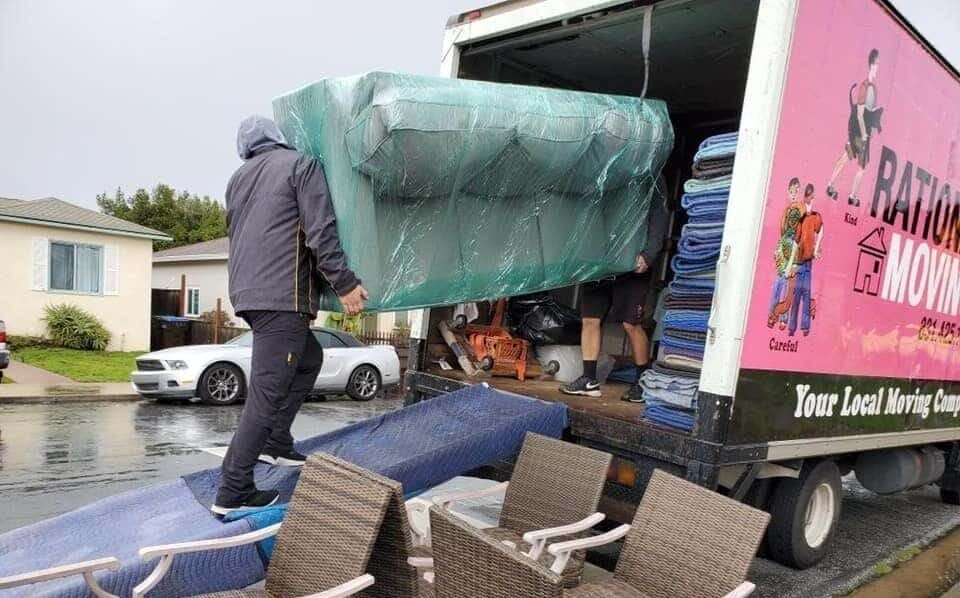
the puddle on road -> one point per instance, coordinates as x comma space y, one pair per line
58, 456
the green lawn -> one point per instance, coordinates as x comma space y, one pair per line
81, 366
7, 380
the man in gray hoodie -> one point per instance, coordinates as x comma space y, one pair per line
283, 248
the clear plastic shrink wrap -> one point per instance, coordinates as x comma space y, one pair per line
450, 190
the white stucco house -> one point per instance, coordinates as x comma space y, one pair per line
204, 266
54, 252
202, 269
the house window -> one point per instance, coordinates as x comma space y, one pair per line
193, 301
76, 268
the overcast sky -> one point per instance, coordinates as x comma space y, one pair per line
96, 94
100, 94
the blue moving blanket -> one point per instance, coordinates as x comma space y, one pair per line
717, 146
420, 446
661, 413
697, 185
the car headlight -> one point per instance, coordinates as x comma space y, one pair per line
177, 364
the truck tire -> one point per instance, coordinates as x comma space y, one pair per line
803, 515
758, 497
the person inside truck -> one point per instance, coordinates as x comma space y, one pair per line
864, 117
809, 239
621, 299
283, 247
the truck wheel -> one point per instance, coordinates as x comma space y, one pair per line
758, 497
804, 514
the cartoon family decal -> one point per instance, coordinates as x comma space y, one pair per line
792, 304
801, 234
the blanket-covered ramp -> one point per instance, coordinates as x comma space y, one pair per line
419, 446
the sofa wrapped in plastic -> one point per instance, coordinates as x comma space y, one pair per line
449, 190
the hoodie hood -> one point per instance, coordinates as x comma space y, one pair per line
256, 133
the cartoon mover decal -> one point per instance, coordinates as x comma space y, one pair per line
854, 326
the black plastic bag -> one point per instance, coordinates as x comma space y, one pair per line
540, 319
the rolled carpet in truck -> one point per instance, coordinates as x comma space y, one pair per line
448, 190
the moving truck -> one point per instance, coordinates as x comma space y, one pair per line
872, 386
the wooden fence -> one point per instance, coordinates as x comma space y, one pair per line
385, 338
206, 333
165, 302
401, 343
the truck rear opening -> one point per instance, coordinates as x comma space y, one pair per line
766, 430
698, 57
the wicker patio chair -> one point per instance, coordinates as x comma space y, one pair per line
396, 578
324, 545
553, 493
685, 542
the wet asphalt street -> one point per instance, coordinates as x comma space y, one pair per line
57, 457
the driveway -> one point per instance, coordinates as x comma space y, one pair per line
23, 373
56, 457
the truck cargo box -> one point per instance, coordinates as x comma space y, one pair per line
832, 338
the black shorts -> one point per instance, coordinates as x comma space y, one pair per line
621, 299
857, 148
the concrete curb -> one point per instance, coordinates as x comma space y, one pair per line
70, 398
66, 393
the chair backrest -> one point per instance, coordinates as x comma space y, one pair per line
687, 541
469, 563
329, 530
388, 563
553, 483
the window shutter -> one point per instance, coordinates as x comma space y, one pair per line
111, 270
41, 272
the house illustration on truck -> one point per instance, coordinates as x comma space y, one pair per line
873, 251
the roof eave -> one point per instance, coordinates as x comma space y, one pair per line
208, 257
93, 229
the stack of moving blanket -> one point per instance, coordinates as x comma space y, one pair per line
670, 385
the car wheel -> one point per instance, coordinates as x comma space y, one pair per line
222, 384
364, 383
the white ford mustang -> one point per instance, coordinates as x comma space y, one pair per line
218, 374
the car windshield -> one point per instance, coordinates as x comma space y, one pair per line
348, 339
244, 340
